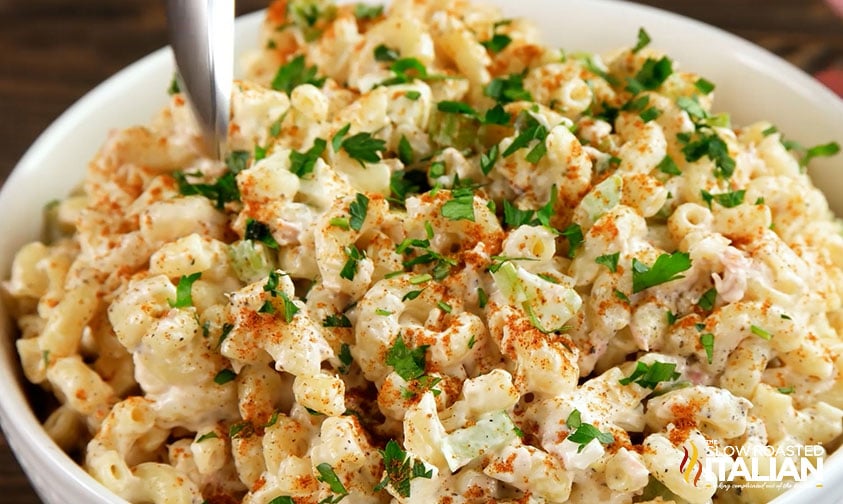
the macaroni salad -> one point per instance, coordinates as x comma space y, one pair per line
441, 263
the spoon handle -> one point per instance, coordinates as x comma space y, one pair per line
202, 37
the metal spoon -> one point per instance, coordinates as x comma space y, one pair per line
202, 36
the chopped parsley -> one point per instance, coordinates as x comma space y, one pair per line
382, 312
610, 261
340, 222
650, 114
363, 148
241, 430
358, 209
420, 279
271, 286
400, 469
623, 297
707, 342
259, 232
224, 376
482, 298
282, 499
575, 238
386, 54
649, 376
666, 268
460, 206
295, 73
508, 89
728, 200
436, 170
207, 435
405, 151
226, 330
584, 433
364, 11
302, 163
174, 86
514, 217
825, 150
704, 86
671, 317
183, 289
403, 183
345, 358
445, 307
497, 43
472, 341
406, 70
488, 159
222, 191
651, 75
711, 145
643, 40
411, 295
327, 475
408, 364
355, 255
336, 140
707, 300
339, 320
668, 166
529, 129
412, 95
456, 107
761, 333
785, 390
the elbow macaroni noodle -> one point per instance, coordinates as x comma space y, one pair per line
436, 234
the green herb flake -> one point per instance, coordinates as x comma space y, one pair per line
400, 469
650, 114
769, 131
584, 433
704, 86
405, 151
668, 166
610, 261
436, 170
575, 238
727, 200
174, 86
411, 295
183, 289
207, 435
382, 312
666, 268
224, 376
711, 145
496, 115
420, 279
643, 40
260, 232
302, 163
364, 148
514, 217
707, 342
786, 390
460, 206
295, 73
340, 222
707, 300
412, 95
623, 297
508, 89
482, 298
651, 75
408, 363
649, 376
445, 307
456, 107
364, 11
355, 255
339, 320
488, 159
497, 43
825, 150
358, 209
327, 475
336, 140
671, 317
761, 333
345, 358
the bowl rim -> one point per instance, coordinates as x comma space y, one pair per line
41, 455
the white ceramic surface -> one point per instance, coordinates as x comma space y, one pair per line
751, 84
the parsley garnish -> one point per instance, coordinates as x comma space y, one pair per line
382, 312
408, 364
728, 200
488, 159
207, 435
711, 145
260, 232
412, 95
666, 268
460, 206
707, 342
174, 86
575, 238
406, 70
271, 286
241, 430
358, 209
651, 75
224, 189
650, 376
671, 317
643, 40
345, 357
482, 298
623, 297
405, 151
514, 217
497, 43
761, 333
363, 148
302, 163
386, 54
508, 89
456, 107
411, 295
183, 297
707, 300
650, 114
363, 11
400, 469
584, 433
610, 261
226, 330
785, 390
327, 475
529, 129
295, 73
496, 115
283, 499
668, 166
224, 376
403, 183
824, 150
436, 170
704, 86
354, 255
445, 307
336, 321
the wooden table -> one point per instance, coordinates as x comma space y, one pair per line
54, 51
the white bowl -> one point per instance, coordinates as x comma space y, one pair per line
752, 84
